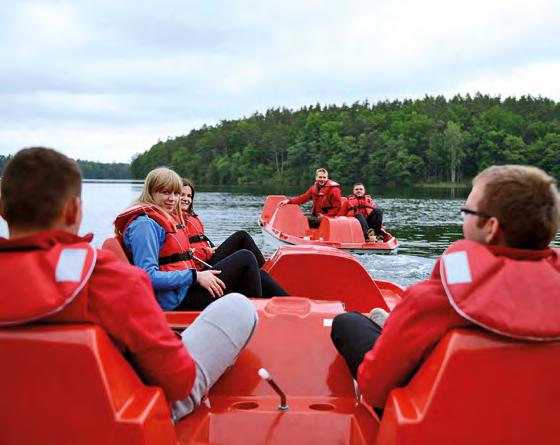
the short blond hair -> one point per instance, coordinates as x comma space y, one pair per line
321, 170
525, 201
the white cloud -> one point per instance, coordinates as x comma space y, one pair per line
538, 79
94, 142
135, 72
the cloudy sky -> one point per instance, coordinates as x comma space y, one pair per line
105, 79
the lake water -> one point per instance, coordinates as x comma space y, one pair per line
425, 221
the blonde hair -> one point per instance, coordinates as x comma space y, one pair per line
321, 170
158, 180
525, 201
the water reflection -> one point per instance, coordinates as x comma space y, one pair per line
425, 221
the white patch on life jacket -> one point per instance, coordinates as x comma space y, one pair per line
457, 270
70, 265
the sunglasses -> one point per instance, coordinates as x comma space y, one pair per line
464, 211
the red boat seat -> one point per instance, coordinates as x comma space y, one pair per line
68, 384
325, 273
292, 342
114, 246
270, 206
478, 388
341, 230
290, 220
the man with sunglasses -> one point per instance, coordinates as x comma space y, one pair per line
503, 277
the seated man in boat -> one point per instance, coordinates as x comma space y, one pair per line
362, 207
49, 273
503, 277
325, 194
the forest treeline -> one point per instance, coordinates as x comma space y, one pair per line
104, 170
91, 169
428, 140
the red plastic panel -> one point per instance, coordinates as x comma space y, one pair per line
64, 384
293, 343
478, 388
324, 273
270, 206
289, 220
341, 230
114, 246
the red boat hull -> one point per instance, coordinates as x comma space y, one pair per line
67, 384
288, 225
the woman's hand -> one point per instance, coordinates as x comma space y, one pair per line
209, 281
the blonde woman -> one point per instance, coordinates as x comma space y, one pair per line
157, 242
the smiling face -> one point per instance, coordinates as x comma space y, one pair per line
186, 198
359, 190
166, 199
321, 178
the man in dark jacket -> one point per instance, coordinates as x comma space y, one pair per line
362, 207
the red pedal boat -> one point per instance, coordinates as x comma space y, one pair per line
288, 225
67, 384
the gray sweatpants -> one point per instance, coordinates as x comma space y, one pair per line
214, 341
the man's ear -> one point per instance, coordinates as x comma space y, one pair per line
72, 211
493, 231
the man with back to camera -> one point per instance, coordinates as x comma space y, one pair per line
325, 194
510, 217
362, 207
58, 277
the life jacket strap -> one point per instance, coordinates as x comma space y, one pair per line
360, 207
175, 258
198, 238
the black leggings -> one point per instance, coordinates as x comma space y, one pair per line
353, 335
373, 221
239, 240
240, 272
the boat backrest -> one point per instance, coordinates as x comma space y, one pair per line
270, 205
341, 230
478, 388
114, 246
290, 220
68, 384
324, 273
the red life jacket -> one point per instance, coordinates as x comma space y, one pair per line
512, 292
198, 240
356, 205
322, 197
58, 274
175, 254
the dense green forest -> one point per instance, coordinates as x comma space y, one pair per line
92, 170
101, 170
428, 140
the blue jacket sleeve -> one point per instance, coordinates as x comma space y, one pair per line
144, 238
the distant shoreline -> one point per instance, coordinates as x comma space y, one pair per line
446, 185
134, 181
